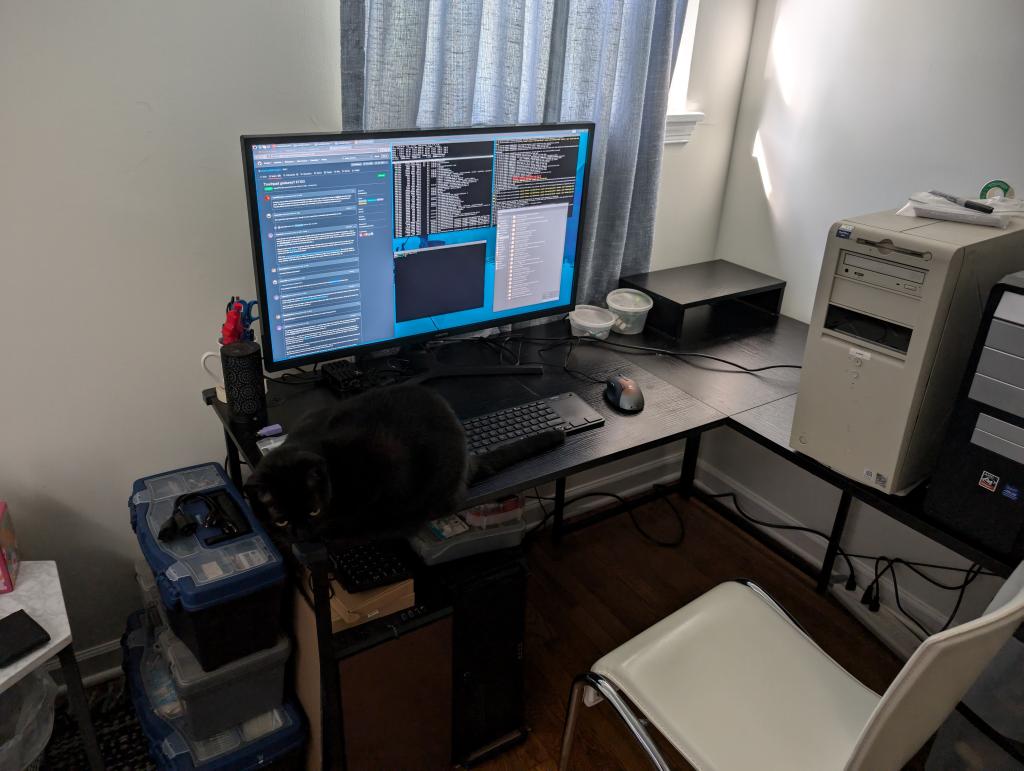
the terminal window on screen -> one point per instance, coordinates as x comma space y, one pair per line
439, 279
373, 240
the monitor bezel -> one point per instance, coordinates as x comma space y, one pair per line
248, 140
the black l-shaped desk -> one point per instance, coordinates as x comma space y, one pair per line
684, 398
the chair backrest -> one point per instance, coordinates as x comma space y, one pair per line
934, 680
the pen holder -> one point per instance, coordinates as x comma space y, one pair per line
243, 380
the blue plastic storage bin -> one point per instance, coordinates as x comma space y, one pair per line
222, 592
273, 740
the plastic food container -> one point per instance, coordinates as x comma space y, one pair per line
630, 307
221, 592
591, 321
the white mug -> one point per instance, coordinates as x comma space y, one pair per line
217, 376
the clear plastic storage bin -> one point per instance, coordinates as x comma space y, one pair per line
275, 737
212, 702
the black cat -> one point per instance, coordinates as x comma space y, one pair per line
379, 463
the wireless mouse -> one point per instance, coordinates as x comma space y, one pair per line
624, 394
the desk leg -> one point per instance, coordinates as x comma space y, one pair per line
80, 707
689, 469
332, 729
559, 511
838, 525
234, 462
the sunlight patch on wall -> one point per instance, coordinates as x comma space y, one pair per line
762, 165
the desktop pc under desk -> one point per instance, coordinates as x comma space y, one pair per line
683, 398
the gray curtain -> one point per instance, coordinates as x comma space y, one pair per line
438, 63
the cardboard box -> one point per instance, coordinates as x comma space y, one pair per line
348, 610
8, 550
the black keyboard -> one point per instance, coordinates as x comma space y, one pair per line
567, 412
368, 566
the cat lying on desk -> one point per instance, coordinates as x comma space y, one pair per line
379, 463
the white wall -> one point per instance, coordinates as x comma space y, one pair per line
124, 232
120, 124
129, 215
858, 105
693, 175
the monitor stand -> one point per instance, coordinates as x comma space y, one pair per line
429, 368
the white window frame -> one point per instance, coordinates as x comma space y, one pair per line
680, 121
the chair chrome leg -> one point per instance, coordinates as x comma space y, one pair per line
571, 715
607, 689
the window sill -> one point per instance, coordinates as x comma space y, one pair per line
679, 128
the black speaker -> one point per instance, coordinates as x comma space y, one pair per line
243, 380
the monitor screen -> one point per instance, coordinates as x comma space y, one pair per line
366, 240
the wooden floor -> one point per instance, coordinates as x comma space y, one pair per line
605, 584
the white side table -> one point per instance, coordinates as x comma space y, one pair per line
37, 590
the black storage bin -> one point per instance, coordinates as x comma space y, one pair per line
222, 591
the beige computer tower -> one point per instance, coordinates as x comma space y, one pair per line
898, 305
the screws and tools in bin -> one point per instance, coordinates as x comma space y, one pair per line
220, 513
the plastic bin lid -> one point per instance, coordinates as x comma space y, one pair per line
592, 316
195, 573
189, 676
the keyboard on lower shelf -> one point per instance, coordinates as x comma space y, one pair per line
567, 412
368, 566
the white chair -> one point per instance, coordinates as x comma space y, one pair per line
733, 682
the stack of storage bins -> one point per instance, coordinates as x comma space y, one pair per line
205, 660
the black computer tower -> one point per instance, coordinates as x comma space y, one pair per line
487, 594
977, 490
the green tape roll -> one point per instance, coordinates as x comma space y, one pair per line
1002, 188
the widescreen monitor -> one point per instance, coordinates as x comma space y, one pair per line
374, 239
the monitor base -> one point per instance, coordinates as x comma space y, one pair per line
427, 368
440, 371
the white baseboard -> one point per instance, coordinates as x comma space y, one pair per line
627, 482
887, 624
97, 664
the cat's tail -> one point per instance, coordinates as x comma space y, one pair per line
490, 463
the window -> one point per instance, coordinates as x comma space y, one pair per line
680, 121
